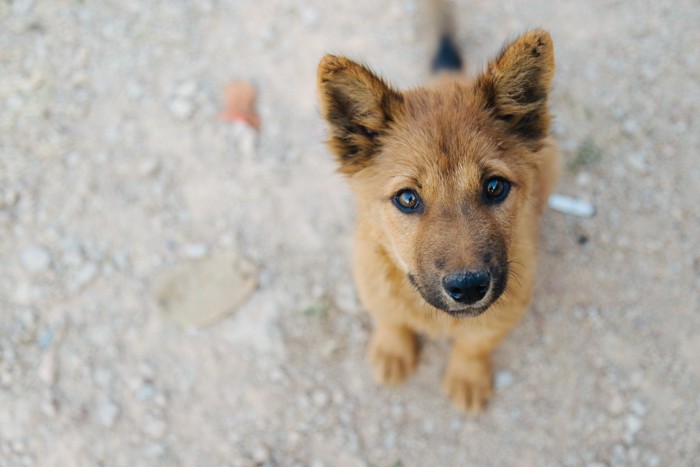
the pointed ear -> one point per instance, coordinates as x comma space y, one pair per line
515, 86
358, 107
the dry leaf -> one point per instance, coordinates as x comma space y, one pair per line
202, 292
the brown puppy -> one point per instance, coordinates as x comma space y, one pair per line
450, 181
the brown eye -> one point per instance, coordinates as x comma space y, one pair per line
406, 201
495, 190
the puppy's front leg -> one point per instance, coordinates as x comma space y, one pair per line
468, 380
392, 352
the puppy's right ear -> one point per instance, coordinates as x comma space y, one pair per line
515, 86
359, 108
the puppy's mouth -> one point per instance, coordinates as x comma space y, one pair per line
440, 299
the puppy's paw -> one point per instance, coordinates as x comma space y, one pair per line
393, 353
468, 382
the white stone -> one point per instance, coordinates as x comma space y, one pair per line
154, 450
49, 407
145, 392
35, 259
260, 454
149, 167
6, 378
583, 178
181, 108
310, 16
48, 369
18, 446
187, 89
71, 253
634, 424
84, 276
196, 250
638, 407
503, 379
107, 413
8, 198
320, 398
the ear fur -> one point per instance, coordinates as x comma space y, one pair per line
358, 107
515, 86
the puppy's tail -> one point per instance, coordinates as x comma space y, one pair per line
447, 55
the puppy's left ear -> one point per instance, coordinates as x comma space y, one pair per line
359, 108
515, 86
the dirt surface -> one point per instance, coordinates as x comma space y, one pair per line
115, 167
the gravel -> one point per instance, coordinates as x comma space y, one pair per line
115, 169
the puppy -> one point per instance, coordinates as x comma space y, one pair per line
450, 181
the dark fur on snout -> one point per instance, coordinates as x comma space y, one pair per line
428, 280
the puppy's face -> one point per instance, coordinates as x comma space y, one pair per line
442, 174
446, 192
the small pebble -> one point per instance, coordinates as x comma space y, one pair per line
18, 446
154, 450
35, 259
45, 338
71, 253
503, 379
107, 413
186, 90
83, 276
583, 178
48, 369
634, 424
638, 407
6, 378
49, 407
149, 167
8, 198
181, 108
145, 392
160, 400
260, 454
146, 370
196, 250
309, 16
320, 398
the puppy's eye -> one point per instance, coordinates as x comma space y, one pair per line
406, 200
496, 189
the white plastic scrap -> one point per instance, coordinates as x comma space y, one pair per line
573, 206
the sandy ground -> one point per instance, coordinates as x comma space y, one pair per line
115, 167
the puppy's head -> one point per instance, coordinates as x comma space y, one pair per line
443, 174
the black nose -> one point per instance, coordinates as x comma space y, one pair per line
467, 288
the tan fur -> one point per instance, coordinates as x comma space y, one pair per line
443, 141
